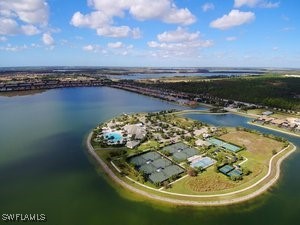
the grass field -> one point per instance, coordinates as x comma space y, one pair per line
259, 152
148, 145
256, 144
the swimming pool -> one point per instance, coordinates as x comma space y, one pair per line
113, 137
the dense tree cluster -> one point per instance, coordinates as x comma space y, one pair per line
273, 91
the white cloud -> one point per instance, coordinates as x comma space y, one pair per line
88, 48
48, 39
179, 35
232, 38
164, 10
269, 5
29, 11
91, 48
102, 23
30, 30
34, 45
208, 6
119, 48
233, 19
249, 3
145, 9
11, 48
102, 19
256, 3
8, 26
113, 48
93, 20
119, 32
23, 16
111, 7
117, 44
178, 43
179, 16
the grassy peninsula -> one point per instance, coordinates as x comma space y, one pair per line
170, 158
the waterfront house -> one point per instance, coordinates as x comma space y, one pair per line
267, 113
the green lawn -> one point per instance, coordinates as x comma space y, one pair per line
258, 153
148, 145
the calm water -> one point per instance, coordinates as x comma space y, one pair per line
44, 167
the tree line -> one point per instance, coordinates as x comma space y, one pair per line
272, 91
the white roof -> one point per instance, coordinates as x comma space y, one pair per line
132, 144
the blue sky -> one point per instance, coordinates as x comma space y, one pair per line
226, 33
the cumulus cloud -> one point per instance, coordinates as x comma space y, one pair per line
208, 6
233, 19
119, 48
179, 16
179, 35
164, 10
117, 44
48, 39
179, 42
30, 30
102, 18
93, 20
115, 48
8, 26
23, 16
119, 32
256, 3
91, 48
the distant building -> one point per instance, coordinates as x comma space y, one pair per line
200, 142
213, 129
267, 113
138, 131
206, 135
132, 144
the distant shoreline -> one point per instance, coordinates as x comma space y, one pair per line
271, 128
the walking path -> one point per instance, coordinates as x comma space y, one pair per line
198, 201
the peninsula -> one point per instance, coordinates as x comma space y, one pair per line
167, 157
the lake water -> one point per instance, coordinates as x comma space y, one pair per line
44, 167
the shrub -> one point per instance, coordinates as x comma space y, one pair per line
192, 172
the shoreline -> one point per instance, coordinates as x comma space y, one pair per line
270, 128
247, 197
